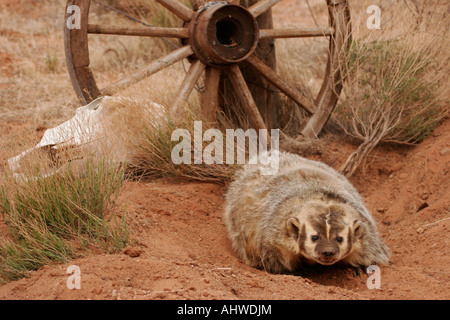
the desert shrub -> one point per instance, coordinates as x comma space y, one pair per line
49, 216
389, 83
396, 83
390, 95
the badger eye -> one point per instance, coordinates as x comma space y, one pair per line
339, 239
314, 238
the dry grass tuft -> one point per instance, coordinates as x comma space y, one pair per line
50, 217
146, 128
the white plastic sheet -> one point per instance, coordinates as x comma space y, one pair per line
89, 128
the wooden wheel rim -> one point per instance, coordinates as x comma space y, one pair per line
78, 62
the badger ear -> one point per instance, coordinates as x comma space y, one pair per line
293, 228
358, 229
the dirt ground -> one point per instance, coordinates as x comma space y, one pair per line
181, 250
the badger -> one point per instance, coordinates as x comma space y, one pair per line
304, 214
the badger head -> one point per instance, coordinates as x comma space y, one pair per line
325, 232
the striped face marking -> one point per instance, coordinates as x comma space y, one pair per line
328, 224
326, 234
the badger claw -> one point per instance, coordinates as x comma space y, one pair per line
357, 272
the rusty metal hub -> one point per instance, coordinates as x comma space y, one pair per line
222, 34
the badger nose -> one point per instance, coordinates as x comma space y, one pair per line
328, 253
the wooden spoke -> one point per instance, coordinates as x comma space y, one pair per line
274, 79
262, 6
210, 98
240, 86
192, 76
140, 31
153, 68
179, 9
295, 33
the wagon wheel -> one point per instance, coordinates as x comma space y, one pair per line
217, 37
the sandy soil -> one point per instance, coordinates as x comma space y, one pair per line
181, 250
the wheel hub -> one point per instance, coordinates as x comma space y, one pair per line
222, 34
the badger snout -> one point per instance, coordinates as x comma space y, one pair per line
327, 254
